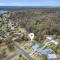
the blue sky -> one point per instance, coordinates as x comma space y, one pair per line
29, 2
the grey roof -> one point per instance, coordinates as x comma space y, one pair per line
46, 51
52, 56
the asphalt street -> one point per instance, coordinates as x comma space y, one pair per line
19, 51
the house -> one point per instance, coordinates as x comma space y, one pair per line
55, 42
51, 57
49, 53
35, 47
49, 37
45, 52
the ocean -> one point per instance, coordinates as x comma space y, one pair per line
27, 7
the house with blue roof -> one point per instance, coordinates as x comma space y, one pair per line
49, 53
35, 47
46, 51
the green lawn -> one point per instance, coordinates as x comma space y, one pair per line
40, 58
27, 48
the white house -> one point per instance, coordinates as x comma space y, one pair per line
49, 37
55, 42
51, 57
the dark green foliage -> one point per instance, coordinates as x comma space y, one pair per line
45, 23
25, 37
40, 24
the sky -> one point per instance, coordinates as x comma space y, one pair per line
29, 2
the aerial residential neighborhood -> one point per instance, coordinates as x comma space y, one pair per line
30, 30
17, 43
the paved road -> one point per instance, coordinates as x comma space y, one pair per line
22, 51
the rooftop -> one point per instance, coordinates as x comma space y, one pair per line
46, 51
49, 37
35, 47
50, 56
55, 42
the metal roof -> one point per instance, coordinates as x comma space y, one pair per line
35, 47
46, 51
52, 56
